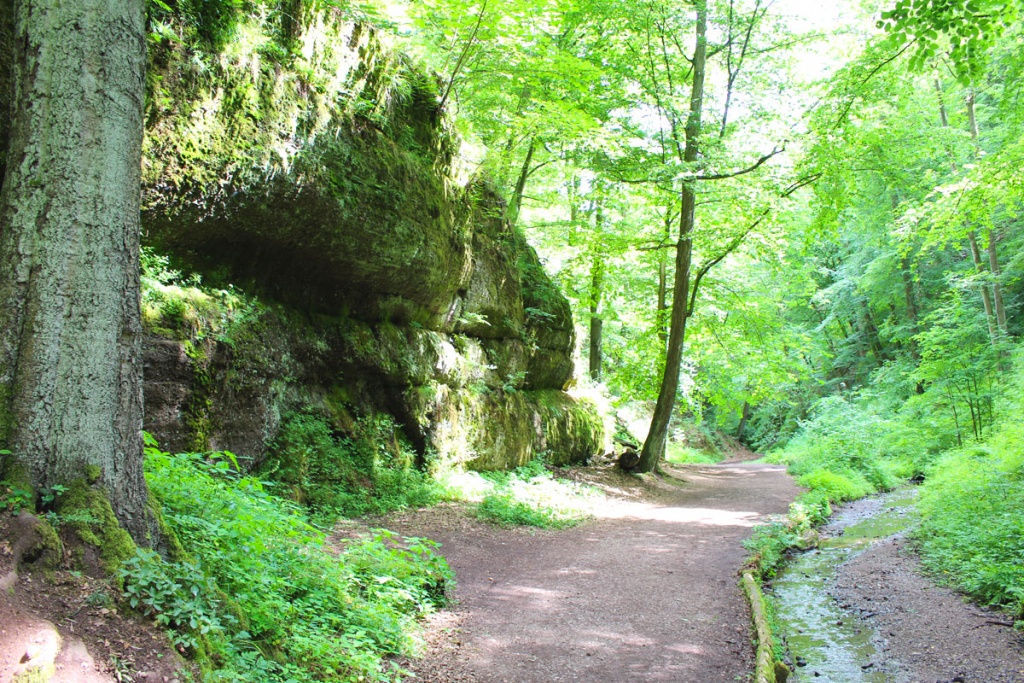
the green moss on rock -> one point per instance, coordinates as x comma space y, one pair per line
322, 180
498, 430
88, 515
36, 674
44, 550
167, 543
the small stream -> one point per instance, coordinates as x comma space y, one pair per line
826, 642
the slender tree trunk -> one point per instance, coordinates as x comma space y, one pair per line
505, 166
654, 446
997, 291
956, 417
986, 295
943, 119
70, 333
574, 209
744, 418
911, 301
596, 292
663, 313
596, 330
870, 330
524, 175
972, 236
995, 312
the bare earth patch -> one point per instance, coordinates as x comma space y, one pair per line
645, 591
66, 625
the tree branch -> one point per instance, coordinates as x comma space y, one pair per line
760, 162
731, 247
462, 57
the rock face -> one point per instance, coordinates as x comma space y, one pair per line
324, 183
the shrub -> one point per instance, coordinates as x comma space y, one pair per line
302, 612
972, 532
837, 487
526, 496
371, 471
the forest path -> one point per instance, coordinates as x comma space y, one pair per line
647, 591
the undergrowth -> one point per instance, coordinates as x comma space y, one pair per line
260, 597
846, 450
369, 470
769, 542
681, 454
179, 307
527, 496
972, 530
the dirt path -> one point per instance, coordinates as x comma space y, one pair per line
647, 591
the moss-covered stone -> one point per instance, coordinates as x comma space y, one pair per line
37, 548
87, 515
36, 674
325, 183
496, 430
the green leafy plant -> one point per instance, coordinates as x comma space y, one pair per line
178, 595
305, 611
15, 496
370, 471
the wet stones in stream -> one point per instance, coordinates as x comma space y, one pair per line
859, 610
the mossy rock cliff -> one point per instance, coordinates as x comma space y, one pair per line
322, 178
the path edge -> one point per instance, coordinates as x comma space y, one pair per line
765, 666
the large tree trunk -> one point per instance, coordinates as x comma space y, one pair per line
70, 334
654, 446
6, 78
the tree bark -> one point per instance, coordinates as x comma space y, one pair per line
70, 332
994, 310
663, 314
997, 291
654, 446
596, 323
524, 175
986, 295
744, 418
6, 79
972, 235
597, 267
911, 302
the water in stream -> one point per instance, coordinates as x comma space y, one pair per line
826, 642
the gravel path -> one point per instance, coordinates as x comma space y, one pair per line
646, 592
